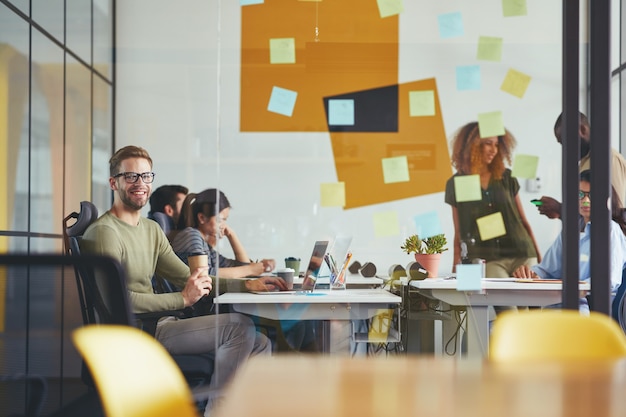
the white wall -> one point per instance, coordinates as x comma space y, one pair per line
178, 96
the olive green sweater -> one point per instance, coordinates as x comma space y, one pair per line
143, 250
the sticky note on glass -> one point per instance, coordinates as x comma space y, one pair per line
388, 8
525, 166
386, 224
282, 101
249, 2
490, 124
469, 277
515, 83
421, 103
427, 224
333, 194
489, 48
491, 226
514, 8
450, 25
396, 169
341, 112
282, 51
468, 77
467, 188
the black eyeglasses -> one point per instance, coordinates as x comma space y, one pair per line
133, 177
582, 194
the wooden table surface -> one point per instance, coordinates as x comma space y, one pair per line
402, 386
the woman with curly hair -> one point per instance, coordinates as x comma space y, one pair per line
486, 157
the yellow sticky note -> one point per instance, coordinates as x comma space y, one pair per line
525, 166
333, 194
490, 124
421, 103
515, 83
388, 8
489, 48
282, 51
514, 8
491, 226
396, 169
386, 224
467, 188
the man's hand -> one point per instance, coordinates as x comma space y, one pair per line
524, 271
198, 285
266, 284
550, 207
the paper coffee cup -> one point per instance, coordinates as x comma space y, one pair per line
197, 260
287, 275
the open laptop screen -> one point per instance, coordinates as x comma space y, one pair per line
315, 263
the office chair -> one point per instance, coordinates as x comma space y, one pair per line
165, 221
104, 301
618, 308
555, 335
33, 394
33, 387
134, 374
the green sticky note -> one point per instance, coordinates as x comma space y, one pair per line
388, 8
491, 226
489, 48
515, 83
282, 51
333, 194
386, 224
469, 277
467, 188
514, 8
396, 169
490, 124
525, 166
421, 103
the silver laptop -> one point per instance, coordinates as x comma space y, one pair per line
312, 271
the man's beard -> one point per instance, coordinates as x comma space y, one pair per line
125, 197
584, 148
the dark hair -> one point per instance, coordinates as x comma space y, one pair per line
617, 213
125, 153
208, 202
582, 119
164, 195
467, 155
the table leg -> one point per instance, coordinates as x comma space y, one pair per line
477, 331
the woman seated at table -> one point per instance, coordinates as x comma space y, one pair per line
551, 264
201, 225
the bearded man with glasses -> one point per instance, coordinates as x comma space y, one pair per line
142, 248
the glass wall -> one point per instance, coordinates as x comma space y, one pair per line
56, 117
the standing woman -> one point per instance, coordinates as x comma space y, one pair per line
202, 222
486, 157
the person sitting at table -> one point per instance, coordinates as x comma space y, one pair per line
551, 265
202, 222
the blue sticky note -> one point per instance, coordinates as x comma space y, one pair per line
249, 2
468, 77
341, 112
450, 25
427, 224
282, 101
469, 277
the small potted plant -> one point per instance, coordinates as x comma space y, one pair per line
427, 251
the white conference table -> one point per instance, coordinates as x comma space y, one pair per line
494, 292
329, 306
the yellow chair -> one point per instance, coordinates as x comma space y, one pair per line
134, 374
555, 334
